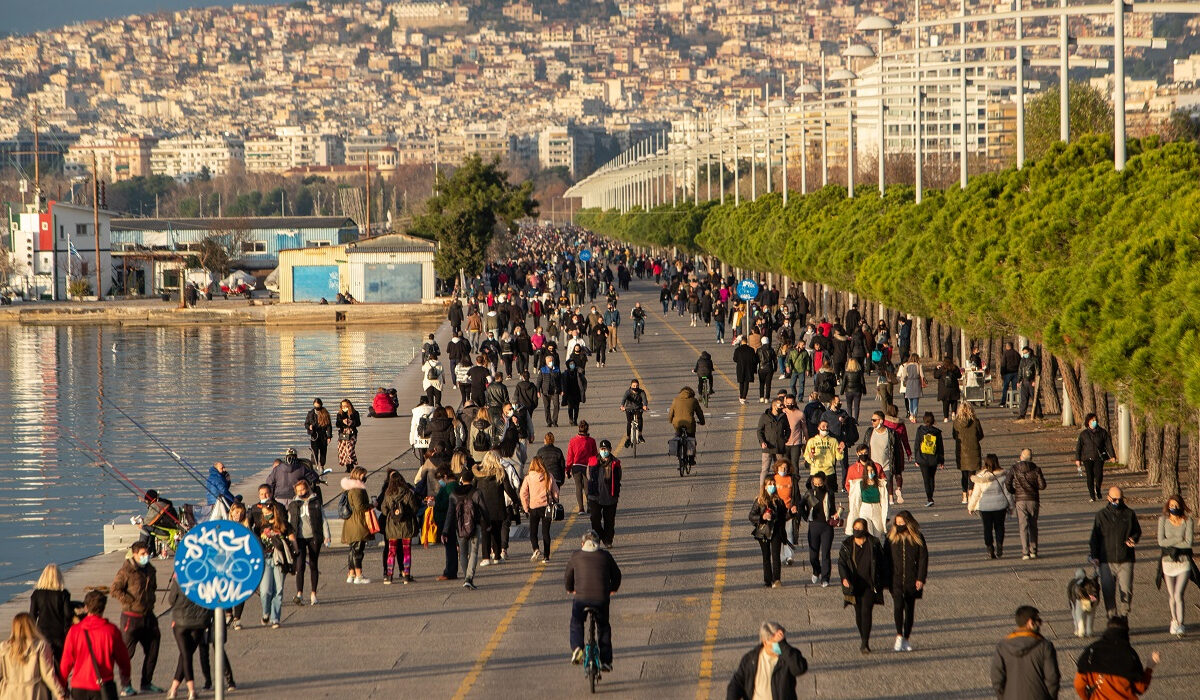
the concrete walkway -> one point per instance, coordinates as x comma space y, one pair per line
692, 597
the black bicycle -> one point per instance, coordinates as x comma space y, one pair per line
591, 649
705, 390
686, 459
639, 327
635, 431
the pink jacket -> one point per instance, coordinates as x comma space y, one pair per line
535, 490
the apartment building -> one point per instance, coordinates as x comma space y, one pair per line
186, 157
291, 147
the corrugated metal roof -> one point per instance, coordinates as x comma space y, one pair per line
392, 243
234, 222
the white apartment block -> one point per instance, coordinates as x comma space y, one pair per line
186, 157
556, 149
290, 147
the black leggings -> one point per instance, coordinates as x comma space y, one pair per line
573, 412
949, 408
308, 549
764, 383
601, 353
993, 527
820, 541
539, 523
905, 605
864, 608
320, 449
927, 474
188, 640
496, 540
965, 480
770, 554
1094, 469
355, 558
743, 388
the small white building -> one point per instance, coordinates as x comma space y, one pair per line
394, 268
51, 249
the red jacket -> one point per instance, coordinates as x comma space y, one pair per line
581, 449
383, 405
110, 651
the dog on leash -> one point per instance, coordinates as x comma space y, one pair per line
1083, 594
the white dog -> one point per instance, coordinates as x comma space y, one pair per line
1082, 597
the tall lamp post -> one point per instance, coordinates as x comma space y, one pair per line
879, 25
802, 90
848, 76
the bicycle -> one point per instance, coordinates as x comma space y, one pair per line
635, 431
591, 649
705, 390
639, 327
682, 451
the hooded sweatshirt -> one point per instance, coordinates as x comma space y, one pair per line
1112, 668
1025, 667
685, 411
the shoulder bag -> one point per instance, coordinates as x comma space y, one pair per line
372, 521
108, 689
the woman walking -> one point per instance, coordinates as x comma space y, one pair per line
574, 390
865, 485
319, 426
347, 428
27, 668
820, 510
490, 482
990, 498
1175, 528
189, 624
908, 562
912, 379
929, 452
769, 517
854, 385
968, 433
308, 523
1092, 449
399, 508
50, 606
239, 514
861, 567
539, 491
479, 434
278, 541
354, 528
947, 375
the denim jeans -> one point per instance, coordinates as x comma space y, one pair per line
797, 384
468, 555
912, 405
270, 590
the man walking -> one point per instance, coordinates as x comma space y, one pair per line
580, 450
135, 587
1027, 372
773, 432
1025, 665
1010, 361
466, 517
1115, 534
1026, 484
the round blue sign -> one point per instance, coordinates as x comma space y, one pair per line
585, 255
747, 289
219, 564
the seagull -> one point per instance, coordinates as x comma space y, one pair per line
114, 348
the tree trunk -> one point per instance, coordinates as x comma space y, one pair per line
1137, 442
1154, 450
934, 338
1102, 413
1049, 388
1089, 393
1074, 395
1170, 460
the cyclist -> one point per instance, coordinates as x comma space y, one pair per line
161, 517
634, 402
685, 415
638, 314
592, 577
704, 370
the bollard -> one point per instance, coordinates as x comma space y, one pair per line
1123, 429
1068, 414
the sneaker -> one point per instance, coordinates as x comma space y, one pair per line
776, 584
627, 443
964, 499
906, 647
265, 621
743, 401
237, 623
824, 584
299, 599
446, 578
361, 580
152, 689
485, 562
899, 645
928, 504
899, 498
128, 692
407, 579
577, 656
1024, 557
503, 555
815, 578
945, 420
788, 561
469, 584
350, 578
545, 560
581, 512
274, 625
606, 668
312, 598
537, 554
387, 580
1033, 555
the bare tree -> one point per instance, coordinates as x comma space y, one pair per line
221, 249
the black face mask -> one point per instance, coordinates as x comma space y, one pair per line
902, 528
859, 534
1177, 512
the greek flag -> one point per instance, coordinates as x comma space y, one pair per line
71, 249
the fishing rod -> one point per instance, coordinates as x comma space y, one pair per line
375, 471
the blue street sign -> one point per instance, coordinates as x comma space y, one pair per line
747, 289
219, 564
585, 255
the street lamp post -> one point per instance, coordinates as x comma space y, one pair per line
879, 24
848, 76
1020, 49
805, 89
1118, 84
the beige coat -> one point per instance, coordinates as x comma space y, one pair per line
34, 678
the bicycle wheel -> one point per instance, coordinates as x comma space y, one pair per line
635, 436
704, 393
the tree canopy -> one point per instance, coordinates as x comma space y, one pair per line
1089, 110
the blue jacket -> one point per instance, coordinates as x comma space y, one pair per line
217, 485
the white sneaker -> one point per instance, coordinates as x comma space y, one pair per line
535, 556
899, 498
815, 578
350, 579
361, 580
485, 562
504, 555
312, 598
906, 647
899, 645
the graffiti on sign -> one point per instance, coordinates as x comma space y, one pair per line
219, 564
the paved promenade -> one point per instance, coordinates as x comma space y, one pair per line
692, 597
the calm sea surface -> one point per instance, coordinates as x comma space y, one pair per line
236, 394
20, 16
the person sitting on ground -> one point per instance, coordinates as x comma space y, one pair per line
381, 405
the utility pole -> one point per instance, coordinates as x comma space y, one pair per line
96, 226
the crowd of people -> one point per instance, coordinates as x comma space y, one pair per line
524, 337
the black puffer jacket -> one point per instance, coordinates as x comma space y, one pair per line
1027, 482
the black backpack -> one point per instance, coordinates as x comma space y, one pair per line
344, 510
464, 516
433, 373
482, 442
423, 426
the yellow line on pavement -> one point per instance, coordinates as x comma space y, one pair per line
715, 605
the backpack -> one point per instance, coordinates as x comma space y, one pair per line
929, 444
482, 442
344, 510
464, 516
433, 373
876, 355
423, 426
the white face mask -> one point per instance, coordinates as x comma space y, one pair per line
824, 433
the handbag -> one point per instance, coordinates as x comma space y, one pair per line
372, 521
108, 689
555, 511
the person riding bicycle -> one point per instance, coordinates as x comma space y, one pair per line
685, 415
161, 517
634, 402
638, 314
704, 370
592, 577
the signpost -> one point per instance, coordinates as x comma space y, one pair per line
747, 290
585, 256
219, 564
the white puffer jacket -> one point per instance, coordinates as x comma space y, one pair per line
990, 492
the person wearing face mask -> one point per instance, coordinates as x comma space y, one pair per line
549, 384
348, 422
908, 563
307, 521
773, 432
1027, 372
604, 490
1093, 448
861, 566
797, 431
769, 670
769, 516
574, 389
819, 508
135, 587
634, 403
788, 488
1025, 665
822, 451
319, 427
1115, 534
866, 486
1175, 565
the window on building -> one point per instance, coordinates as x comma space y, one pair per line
318, 244
80, 229
254, 247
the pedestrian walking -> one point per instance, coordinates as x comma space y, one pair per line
466, 517
539, 494
135, 587
278, 543
861, 566
1010, 362
580, 450
1115, 534
52, 611
770, 670
1025, 665
1027, 372
1026, 485
929, 452
94, 654
1110, 669
991, 499
947, 375
769, 516
27, 667
1175, 536
745, 359
787, 486
907, 558
1093, 448
319, 427
968, 454
912, 381
819, 508
604, 491
767, 361
307, 520
866, 486
549, 384
854, 385
347, 423
574, 390
823, 451
492, 484
446, 483
432, 374
189, 625
399, 508
354, 528
774, 429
